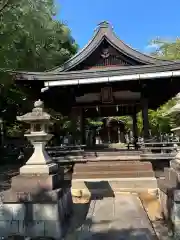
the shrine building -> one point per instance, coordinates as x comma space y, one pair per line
106, 78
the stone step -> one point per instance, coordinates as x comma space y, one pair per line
120, 167
157, 156
112, 153
64, 153
114, 185
113, 158
117, 174
115, 163
66, 158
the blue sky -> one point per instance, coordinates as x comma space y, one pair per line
136, 22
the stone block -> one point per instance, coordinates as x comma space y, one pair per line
8, 228
164, 204
45, 212
29, 182
39, 169
52, 228
176, 193
9, 212
176, 213
176, 231
35, 218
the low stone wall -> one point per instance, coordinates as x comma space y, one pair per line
36, 219
165, 208
170, 207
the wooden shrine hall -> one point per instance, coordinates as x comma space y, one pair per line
107, 78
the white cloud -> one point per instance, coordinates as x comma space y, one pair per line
152, 46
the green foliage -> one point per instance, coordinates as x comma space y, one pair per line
31, 40
94, 123
159, 122
166, 49
127, 122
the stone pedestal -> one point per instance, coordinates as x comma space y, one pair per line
39, 162
39, 213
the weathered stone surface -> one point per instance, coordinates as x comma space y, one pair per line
40, 196
114, 185
176, 194
9, 212
45, 219
122, 217
32, 183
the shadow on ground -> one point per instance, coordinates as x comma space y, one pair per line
103, 186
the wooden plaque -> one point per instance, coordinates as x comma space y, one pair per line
106, 95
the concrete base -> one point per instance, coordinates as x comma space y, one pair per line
39, 168
113, 186
32, 208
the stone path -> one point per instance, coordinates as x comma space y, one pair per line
119, 218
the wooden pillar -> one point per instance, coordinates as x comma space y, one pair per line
82, 127
145, 118
135, 129
74, 121
109, 135
119, 134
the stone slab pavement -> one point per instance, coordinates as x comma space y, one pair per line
120, 218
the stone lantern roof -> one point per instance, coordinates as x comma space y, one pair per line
37, 115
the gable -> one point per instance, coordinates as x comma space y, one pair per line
106, 56
106, 50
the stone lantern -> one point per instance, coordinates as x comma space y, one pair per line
38, 202
39, 121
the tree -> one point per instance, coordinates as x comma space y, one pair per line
165, 49
31, 40
159, 122
4, 4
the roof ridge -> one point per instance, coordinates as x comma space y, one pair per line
105, 31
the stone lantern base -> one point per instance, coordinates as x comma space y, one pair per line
35, 213
39, 162
39, 169
38, 203
36, 206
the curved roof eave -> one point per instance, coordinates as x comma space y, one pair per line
117, 71
105, 31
